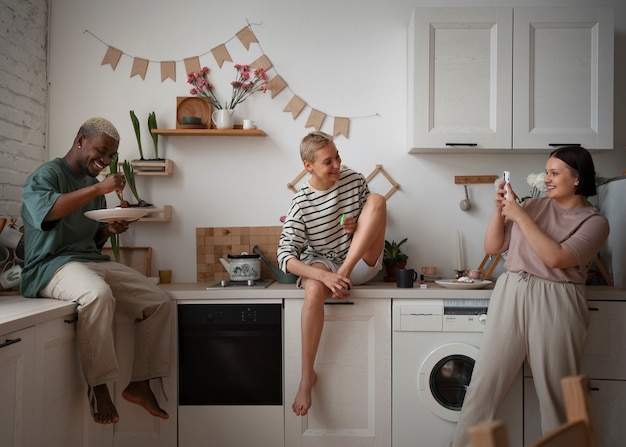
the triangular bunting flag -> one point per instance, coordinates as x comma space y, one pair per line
246, 36
262, 62
112, 57
192, 64
140, 66
168, 70
342, 126
316, 118
221, 54
276, 85
294, 106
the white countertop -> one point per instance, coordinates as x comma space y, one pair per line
17, 312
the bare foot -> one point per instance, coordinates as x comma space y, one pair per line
302, 402
140, 393
103, 410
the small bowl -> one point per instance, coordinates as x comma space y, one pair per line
191, 120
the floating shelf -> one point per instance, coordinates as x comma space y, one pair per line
163, 214
237, 131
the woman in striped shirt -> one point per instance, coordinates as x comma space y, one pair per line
332, 238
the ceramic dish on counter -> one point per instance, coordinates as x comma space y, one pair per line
127, 214
454, 284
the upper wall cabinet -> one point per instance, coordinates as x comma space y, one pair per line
510, 78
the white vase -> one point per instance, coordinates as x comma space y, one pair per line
223, 118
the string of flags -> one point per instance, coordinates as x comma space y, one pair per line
276, 84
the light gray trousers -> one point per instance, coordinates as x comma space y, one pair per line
533, 319
101, 288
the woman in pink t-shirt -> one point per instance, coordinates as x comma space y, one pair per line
538, 309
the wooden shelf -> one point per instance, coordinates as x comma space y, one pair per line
237, 131
163, 214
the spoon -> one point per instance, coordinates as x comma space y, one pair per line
465, 204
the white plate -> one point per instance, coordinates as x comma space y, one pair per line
127, 214
454, 284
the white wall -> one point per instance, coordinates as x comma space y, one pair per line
345, 58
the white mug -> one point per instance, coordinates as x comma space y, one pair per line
10, 237
248, 124
4, 256
10, 277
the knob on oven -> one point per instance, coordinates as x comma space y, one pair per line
248, 315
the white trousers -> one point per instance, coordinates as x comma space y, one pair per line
533, 319
101, 288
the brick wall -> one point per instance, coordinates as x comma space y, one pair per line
23, 96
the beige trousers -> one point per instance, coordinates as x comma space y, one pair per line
101, 289
533, 319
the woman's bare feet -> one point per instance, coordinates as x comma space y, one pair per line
140, 393
302, 402
103, 410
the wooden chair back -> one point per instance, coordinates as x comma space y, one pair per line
576, 432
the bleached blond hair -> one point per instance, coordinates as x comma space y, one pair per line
311, 143
97, 126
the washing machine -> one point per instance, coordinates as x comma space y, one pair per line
435, 344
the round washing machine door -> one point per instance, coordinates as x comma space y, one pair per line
444, 377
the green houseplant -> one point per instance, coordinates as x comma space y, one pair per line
394, 258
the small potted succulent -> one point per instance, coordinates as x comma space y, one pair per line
394, 258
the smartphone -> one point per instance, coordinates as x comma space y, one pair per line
507, 180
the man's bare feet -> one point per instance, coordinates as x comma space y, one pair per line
302, 402
103, 410
140, 393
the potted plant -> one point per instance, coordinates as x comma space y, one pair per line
394, 258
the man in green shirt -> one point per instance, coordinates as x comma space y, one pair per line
63, 261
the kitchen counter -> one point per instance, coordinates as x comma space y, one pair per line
199, 291
17, 312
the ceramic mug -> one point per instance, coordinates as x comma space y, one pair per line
248, 125
10, 277
4, 256
10, 237
430, 271
405, 278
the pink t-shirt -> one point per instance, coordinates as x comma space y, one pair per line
583, 230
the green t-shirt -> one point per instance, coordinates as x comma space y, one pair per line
50, 245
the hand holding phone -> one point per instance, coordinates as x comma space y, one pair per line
507, 180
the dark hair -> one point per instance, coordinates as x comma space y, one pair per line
579, 160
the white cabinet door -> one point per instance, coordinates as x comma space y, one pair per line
60, 391
17, 353
563, 77
460, 77
352, 397
502, 78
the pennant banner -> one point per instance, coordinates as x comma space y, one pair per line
192, 64
341, 125
246, 37
316, 119
168, 70
294, 106
112, 57
221, 54
140, 67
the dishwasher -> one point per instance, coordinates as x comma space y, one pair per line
230, 374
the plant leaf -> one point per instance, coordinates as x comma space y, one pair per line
152, 124
135, 121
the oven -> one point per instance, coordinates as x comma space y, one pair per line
230, 373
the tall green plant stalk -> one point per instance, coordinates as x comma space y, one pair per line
130, 179
115, 238
135, 121
113, 170
152, 124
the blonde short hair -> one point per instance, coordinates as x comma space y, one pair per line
311, 143
97, 126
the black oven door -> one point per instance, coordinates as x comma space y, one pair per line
230, 354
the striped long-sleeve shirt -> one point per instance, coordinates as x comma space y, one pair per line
313, 221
